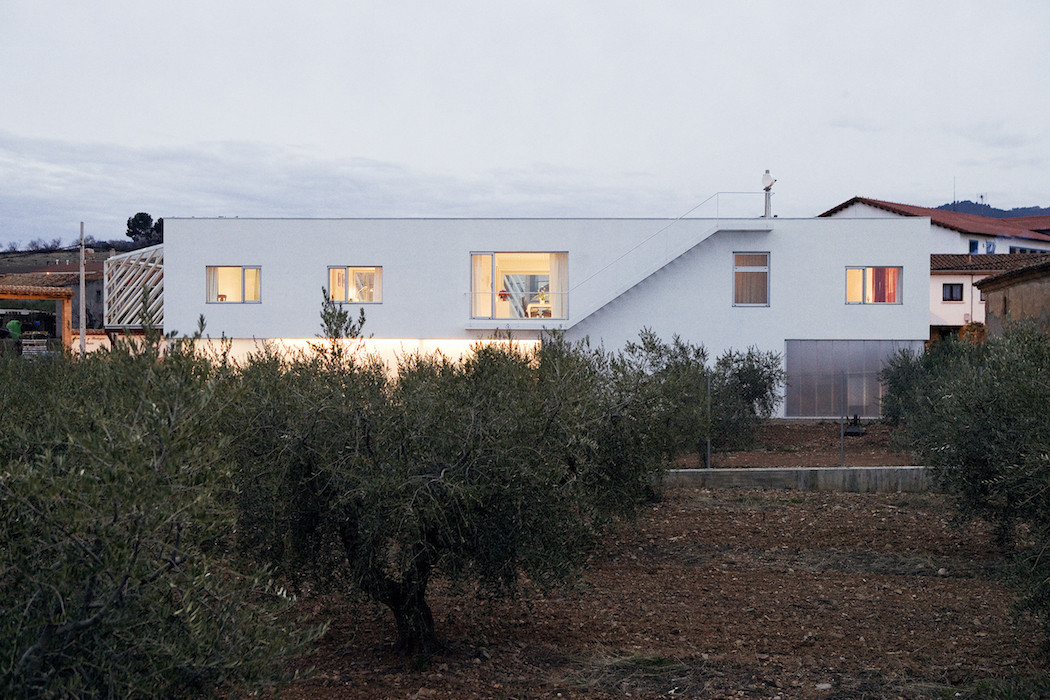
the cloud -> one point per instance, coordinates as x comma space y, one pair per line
997, 135
47, 187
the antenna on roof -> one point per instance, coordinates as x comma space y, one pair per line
767, 186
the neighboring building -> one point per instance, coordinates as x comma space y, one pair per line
1018, 295
61, 296
955, 299
952, 232
60, 277
835, 297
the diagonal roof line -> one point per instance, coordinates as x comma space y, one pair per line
963, 223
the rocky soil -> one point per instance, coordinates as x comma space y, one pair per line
717, 594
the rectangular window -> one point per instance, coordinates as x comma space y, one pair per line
974, 247
360, 285
234, 285
873, 285
951, 292
519, 285
750, 279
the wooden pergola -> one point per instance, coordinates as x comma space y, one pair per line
58, 294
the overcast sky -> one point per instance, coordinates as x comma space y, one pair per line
336, 108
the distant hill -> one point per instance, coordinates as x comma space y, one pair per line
968, 207
26, 261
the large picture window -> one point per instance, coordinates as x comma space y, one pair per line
363, 285
750, 279
519, 285
234, 284
873, 285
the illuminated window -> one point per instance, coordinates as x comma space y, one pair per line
750, 279
362, 285
873, 285
519, 285
234, 285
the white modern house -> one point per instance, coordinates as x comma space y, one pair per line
834, 296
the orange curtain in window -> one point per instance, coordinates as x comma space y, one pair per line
884, 285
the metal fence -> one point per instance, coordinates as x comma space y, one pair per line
849, 440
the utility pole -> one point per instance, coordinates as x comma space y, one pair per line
83, 304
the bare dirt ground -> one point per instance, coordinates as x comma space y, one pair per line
714, 594
785, 443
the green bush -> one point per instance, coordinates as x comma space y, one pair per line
503, 464
693, 402
114, 543
977, 414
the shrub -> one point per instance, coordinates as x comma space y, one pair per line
503, 464
977, 414
693, 402
117, 521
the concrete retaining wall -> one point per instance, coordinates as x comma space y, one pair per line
851, 479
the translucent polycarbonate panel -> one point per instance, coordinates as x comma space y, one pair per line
835, 378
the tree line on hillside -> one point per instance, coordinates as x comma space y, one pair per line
982, 209
142, 231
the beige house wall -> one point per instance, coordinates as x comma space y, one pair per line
1027, 300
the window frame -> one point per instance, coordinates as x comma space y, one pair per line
478, 299
244, 286
750, 269
953, 286
348, 271
864, 269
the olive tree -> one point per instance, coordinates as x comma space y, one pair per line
693, 401
115, 539
500, 466
977, 414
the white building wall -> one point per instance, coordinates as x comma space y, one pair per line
426, 268
956, 313
427, 276
693, 297
674, 277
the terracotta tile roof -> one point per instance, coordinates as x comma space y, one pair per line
30, 290
1035, 270
1035, 223
964, 223
988, 263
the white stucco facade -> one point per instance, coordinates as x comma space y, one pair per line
617, 276
947, 312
